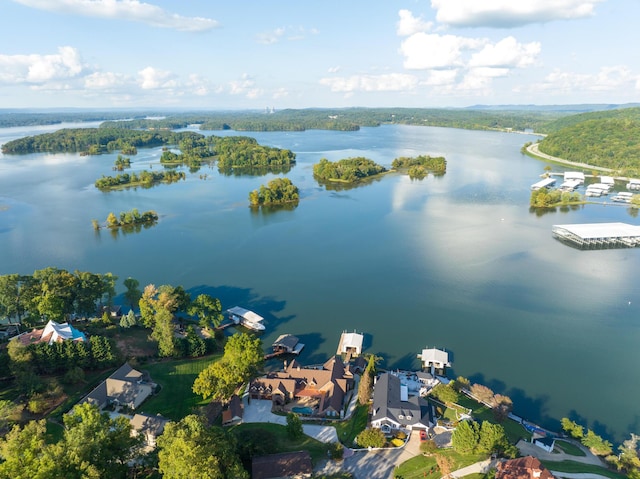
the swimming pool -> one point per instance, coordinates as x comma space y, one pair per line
307, 411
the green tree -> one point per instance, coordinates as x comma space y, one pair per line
208, 310
195, 345
94, 441
365, 388
502, 407
466, 437
190, 449
572, 428
23, 452
128, 320
372, 437
596, 444
294, 426
163, 333
133, 293
445, 393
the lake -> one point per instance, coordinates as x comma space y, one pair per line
456, 262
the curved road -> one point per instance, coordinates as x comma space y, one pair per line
533, 149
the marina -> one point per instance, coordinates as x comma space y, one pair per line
598, 235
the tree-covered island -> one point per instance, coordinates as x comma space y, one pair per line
278, 191
544, 198
419, 167
122, 163
347, 170
128, 218
145, 179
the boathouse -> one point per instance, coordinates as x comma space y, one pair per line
598, 235
546, 183
350, 345
435, 360
287, 344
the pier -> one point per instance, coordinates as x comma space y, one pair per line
598, 235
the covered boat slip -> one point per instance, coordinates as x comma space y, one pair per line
598, 235
247, 318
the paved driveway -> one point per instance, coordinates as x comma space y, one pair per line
259, 410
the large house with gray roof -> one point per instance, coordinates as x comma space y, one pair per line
394, 409
125, 387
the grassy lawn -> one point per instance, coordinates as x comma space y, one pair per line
176, 399
569, 448
348, 430
54, 432
481, 413
572, 466
425, 466
283, 443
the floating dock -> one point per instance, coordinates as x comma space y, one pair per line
598, 235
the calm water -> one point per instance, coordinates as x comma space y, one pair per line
456, 262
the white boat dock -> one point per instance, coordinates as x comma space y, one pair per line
598, 235
545, 183
246, 318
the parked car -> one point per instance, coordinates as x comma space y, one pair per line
423, 435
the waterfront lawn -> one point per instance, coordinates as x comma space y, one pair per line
578, 467
513, 430
569, 448
282, 443
175, 378
426, 466
348, 430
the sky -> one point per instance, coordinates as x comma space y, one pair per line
317, 54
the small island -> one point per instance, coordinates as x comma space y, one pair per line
347, 170
279, 191
128, 218
419, 167
122, 163
145, 178
239, 152
544, 198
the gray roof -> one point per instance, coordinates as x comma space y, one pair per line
152, 424
288, 341
387, 403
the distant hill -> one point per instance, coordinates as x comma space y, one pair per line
603, 138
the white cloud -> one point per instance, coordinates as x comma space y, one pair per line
285, 33
408, 24
424, 51
509, 13
280, 93
506, 53
37, 69
274, 36
386, 82
441, 77
333, 69
105, 81
245, 86
131, 10
615, 78
151, 79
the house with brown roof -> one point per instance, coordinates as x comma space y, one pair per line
528, 467
233, 413
286, 465
125, 387
325, 387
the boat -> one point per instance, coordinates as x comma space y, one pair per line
246, 318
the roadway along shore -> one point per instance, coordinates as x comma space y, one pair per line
533, 150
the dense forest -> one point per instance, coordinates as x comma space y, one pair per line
606, 139
94, 140
347, 170
245, 152
278, 191
418, 167
145, 178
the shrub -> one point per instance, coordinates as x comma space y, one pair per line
371, 438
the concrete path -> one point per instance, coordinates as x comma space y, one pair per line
479, 467
321, 433
259, 410
528, 449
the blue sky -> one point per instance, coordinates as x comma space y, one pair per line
297, 54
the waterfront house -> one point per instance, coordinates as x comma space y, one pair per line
52, 333
125, 387
546, 443
233, 414
322, 388
528, 467
394, 409
149, 427
286, 465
